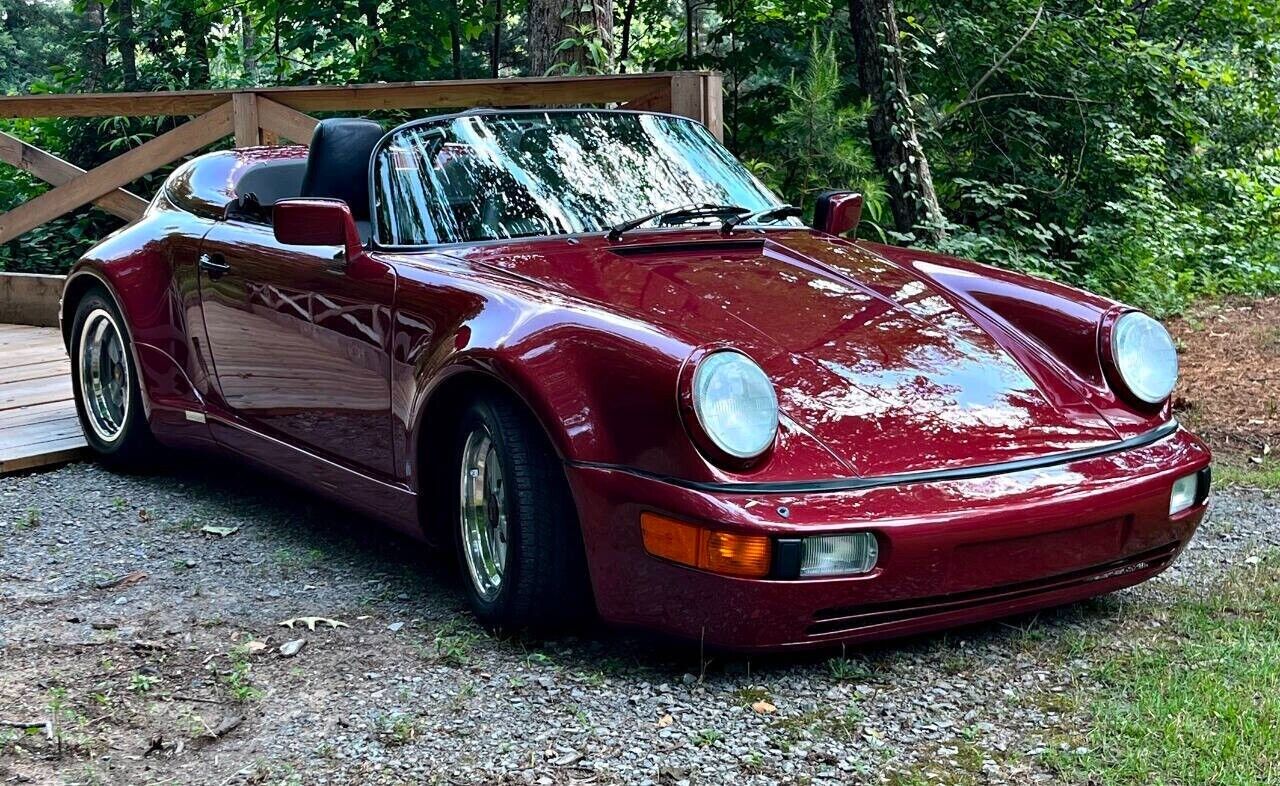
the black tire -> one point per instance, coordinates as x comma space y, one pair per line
544, 584
133, 447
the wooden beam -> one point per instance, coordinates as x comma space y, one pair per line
244, 116
30, 299
699, 96
657, 101
285, 122
111, 104
462, 94
166, 148
55, 171
449, 94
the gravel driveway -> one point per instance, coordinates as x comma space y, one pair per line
151, 648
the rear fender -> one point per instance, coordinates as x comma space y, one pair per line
139, 273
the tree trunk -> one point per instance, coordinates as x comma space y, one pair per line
95, 54
495, 53
125, 44
248, 47
892, 124
690, 21
196, 29
553, 21
372, 43
455, 40
628, 13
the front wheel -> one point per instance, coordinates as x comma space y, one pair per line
104, 379
516, 531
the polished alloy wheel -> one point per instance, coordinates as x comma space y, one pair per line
104, 375
484, 514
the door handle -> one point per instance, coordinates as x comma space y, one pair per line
214, 264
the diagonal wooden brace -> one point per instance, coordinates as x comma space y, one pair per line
96, 183
55, 171
285, 122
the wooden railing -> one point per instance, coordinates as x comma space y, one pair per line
261, 116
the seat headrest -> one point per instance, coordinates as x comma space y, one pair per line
338, 162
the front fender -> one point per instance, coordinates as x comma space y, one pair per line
602, 384
1064, 321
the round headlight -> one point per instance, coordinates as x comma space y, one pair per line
735, 404
1145, 356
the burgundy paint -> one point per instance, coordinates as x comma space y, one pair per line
838, 212
316, 222
321, 366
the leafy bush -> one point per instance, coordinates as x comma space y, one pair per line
1129, 147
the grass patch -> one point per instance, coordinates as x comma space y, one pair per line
238, 680
397, 729
1200, 702
453, 643
847, 669
1248, 474
31, 520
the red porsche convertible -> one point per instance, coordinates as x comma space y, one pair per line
594, 355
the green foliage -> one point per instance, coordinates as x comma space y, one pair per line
1131, 148
33, 41
1127, 147
820, 142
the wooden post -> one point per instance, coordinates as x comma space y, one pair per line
699, 96
30, 299
713, 104
244, 109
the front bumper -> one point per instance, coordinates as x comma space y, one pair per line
951, 552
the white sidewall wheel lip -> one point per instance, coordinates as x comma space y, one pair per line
104, 376
484, 517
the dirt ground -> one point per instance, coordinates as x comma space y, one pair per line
1229, 389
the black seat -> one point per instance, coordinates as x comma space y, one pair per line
338, 162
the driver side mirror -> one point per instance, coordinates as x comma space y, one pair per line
316, 222
837, 212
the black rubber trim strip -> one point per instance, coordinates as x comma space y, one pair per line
928, 476
727, 244
788, 553
1203, 482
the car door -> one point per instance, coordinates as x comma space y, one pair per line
299, 339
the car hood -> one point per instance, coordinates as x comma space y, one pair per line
878, 364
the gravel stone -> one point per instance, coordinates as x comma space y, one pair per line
413, 691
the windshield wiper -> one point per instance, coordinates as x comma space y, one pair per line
769, 214
675, 215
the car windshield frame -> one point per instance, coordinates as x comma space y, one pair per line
376, 231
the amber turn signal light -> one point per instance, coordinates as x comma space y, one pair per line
728, 553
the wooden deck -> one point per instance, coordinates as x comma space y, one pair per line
38, 424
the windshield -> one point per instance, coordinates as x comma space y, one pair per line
527, 174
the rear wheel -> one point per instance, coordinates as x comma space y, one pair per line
515, 528
105, 384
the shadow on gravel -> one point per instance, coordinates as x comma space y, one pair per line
429, 579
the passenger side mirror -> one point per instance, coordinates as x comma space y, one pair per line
316, 222
837, 212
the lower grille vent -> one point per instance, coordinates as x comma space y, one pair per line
846, 618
